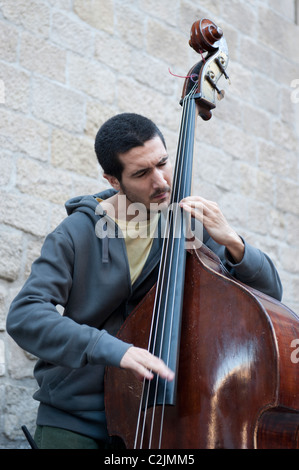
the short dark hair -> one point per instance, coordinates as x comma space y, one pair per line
120, 134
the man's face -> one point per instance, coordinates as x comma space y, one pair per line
147, 175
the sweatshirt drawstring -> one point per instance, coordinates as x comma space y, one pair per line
105, 250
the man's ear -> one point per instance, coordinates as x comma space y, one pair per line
113, 181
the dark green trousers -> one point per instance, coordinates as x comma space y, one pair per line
47, 437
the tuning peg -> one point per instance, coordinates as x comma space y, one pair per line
220, 61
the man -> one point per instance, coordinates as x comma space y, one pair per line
98, 273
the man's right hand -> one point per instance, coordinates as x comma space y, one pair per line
144, 364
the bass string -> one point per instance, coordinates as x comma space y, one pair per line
160, 283
160, 277
190, 117
176, 198
174, 262
182, 241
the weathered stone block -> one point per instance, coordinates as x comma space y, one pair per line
10, 254
42, 57
98, 13
58, 105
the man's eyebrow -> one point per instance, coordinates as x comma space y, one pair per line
142, 170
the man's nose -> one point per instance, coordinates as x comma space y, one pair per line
159, 179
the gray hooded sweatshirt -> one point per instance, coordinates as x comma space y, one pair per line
88, 275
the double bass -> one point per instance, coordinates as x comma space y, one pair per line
237, 377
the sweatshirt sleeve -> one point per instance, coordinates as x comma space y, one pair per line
256, 269
35, 324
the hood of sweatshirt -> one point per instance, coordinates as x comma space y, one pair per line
88, 204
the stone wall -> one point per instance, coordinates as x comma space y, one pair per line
68, 65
